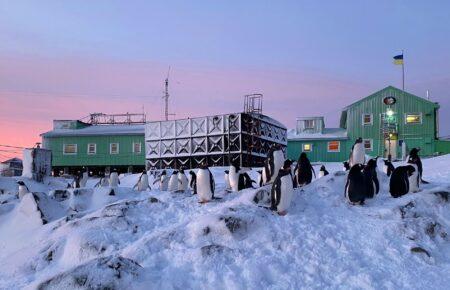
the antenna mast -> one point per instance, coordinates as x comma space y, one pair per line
166, 97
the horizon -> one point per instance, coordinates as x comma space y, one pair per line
65, 60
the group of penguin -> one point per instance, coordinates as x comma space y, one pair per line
362, 180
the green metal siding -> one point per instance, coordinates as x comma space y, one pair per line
319, 151
102, 157
443, 146
415, 135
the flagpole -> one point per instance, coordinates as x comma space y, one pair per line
403, 70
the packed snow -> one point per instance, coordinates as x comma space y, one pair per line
59, 238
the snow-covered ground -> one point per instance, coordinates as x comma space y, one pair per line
162, 240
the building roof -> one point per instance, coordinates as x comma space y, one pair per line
327, 134
98, 130
15, 159
396, 89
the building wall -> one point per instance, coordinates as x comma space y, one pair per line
319, 151
102, 157
443, 146
415, 135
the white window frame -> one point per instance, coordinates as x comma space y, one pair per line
371, 119
312, 122
110, 148
140, 147
303, 147
334, 151
95, 149
415, 123
64, 149
371, 144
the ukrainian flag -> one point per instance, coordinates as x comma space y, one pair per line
398, 59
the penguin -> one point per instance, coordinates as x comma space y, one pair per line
282, 189
260, 179
142, 184
227, 180
173, 182
76, 180
163, 181
193, 182
388, 167
415, 158
303, 171
273, 163
355, 188
233, 176
113, 182
323, 171
346, 166
23, 189
245, 181
399, 182
182, 181
357, 155
414, 179
205, 184
84, 178
371, 179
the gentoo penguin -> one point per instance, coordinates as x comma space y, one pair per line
182, 181
260, 179
103, 182
282, 189
355, 188
414, 179
84, 178
193, 182
303, 171
346, 166
323, 171
388, 167
371, 179
76, 180
163, 181
399, 183
357, 155
142, 184
415, 158
113, 182
205, 184
227, 180
233, 176
173, 182
23, 189
273, 163
245, 181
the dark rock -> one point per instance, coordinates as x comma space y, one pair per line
340, 173
262, 196
420, 250
405, 209
442, 194
49, 257
213, 250
153, 200
234, 224
206, 231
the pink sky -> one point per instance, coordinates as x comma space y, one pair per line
71, 89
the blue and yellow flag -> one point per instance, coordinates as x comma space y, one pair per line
398, 59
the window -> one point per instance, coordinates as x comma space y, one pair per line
137, 148
367, 119
114, 148
91, 148
334, 146
368, 144
70, 149
309, 124
307, 147
413, 118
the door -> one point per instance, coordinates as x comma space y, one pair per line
390, 148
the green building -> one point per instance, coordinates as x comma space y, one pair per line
75, 144
390, 121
